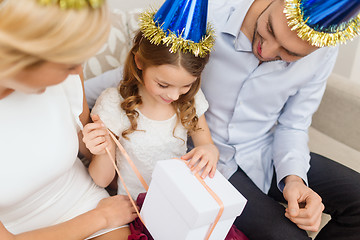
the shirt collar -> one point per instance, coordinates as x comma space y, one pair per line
233, 25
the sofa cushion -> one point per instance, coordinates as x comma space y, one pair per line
339, 112
331, 148
115, 50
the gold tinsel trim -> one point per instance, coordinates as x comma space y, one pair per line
156, 35
296, 22
73, 4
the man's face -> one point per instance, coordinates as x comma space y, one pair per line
273, 39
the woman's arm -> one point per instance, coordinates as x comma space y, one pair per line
205, 154
85, 119
111, 212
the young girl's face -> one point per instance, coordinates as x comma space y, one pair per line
166, 83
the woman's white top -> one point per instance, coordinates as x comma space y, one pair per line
153, 142
42, 180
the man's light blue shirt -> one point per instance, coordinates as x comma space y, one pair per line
259, 114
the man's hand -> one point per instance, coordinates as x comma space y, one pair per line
304, 205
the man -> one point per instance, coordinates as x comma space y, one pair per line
263, 83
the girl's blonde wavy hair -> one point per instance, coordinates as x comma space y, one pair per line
31, 34
155, 55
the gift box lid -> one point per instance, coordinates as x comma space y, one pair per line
190, 198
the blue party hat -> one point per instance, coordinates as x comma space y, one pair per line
181, 24
324, 22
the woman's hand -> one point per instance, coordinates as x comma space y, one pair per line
203, 157
116, 210
110, 212
96, 136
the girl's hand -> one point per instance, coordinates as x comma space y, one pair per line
203, 157
96, 136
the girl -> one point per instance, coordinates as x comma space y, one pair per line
45, 191
156, 106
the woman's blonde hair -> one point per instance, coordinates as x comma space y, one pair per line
31, 33
155, 55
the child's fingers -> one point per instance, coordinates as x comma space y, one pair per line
92, 126
97, 133
195, 158
107, 137
99, 149
97, 141
88, 137
212, 172
200, 166
91, 145
206, 171
95, 118
188, 155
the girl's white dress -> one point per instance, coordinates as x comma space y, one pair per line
42, 180
156, 141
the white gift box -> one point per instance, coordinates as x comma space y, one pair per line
178, 207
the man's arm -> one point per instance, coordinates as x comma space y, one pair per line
290, 150
290, 145
304, 205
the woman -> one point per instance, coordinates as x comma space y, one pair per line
45, 191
